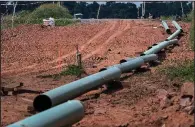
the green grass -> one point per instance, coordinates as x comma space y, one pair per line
7, 23
192, 36
37, 16
70, 70
192, 32
65, 22
50, 10
189, 17
166, 17
184, 71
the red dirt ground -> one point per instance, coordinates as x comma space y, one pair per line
30, 50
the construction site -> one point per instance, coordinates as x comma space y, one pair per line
97, 73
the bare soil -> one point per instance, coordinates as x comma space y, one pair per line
30, 50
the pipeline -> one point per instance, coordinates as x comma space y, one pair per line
130, 65
65, 114
166, 27
177, 26
146, 58
74, 89
175, 34
157, 48
71, 112
127, 66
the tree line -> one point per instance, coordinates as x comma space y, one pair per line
124, 10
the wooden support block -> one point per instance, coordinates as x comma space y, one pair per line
10, 89
78, 60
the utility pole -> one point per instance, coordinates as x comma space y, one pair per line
143, 9
6, 9
14, 10
182, 9
98, 11
59, 3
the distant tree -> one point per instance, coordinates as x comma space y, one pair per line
81, 7
70, 5
93, 9
118, 10
165, 8
50, 10
110, 9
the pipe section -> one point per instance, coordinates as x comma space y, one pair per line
65, 114
146, 58
75, 89
149, 58
159, 47
128, 66
125, 60
177, 26
166, 27
175, 34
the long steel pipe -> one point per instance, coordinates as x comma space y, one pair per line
130, 65
65, 114
127, 66
149, 58
177, 26
175, 34
157, 48
166, 27
146, 58
74, 89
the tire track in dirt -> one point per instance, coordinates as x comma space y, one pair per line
86, 44
108, 28
115, 26
119, 32
118, 26
123, 26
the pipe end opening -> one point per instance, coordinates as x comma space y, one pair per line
122, 61
168, 31
42, 102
